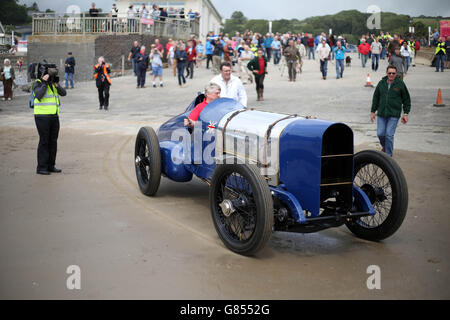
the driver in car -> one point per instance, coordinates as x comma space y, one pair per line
212, 92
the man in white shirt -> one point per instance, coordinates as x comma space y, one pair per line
231, 86
131, 12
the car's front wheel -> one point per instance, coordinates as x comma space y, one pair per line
241, 208
382, 180
147, 160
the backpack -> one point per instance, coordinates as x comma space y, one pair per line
31, 98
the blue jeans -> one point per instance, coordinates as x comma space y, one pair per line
141, 73
440, 58
180, 69
383, 53
311, 50
323, 67
407, 60
339, 68
68, 77
276, 56
364, 60
375, 61
385, 132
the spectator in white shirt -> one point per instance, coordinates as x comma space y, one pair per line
244, 59
155, 12
132, 23
323, 49
143, 12
405, 51
231, 86
131, 12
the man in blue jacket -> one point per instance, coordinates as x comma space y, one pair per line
208, 52
339, 51
268, 46
69, 70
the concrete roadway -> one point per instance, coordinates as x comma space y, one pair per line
131, 246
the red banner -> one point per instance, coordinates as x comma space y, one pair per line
445, 28
147, 21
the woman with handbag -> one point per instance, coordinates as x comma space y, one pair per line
7, 76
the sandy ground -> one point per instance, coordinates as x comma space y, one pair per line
131, 246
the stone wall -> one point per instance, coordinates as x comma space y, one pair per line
86, 50
114, 46
54, 49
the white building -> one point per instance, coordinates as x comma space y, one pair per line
210, 19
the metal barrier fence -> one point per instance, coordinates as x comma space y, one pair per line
65, 25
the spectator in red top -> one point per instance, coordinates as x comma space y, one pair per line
168, 46
259, 68
192, 56
310, 42
159, 46
364, 49
194, 42
212, 92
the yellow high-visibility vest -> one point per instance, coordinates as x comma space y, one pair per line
439, 47
49, 104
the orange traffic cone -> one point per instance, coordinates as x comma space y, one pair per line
439, 100
368, 82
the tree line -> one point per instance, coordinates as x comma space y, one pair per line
350, 23
13, 13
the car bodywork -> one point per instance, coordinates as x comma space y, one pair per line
314, 159
274, 172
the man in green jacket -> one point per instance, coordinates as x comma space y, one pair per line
389, 97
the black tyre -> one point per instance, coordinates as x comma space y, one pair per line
380, 177
147, 158
241, 208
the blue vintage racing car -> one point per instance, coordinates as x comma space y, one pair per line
274, 172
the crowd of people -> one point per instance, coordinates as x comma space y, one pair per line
155, 12
249, 56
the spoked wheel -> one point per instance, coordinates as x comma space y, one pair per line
241, 208
147, 158
382, 180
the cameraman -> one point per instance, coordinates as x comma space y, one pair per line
102, 81
46, 92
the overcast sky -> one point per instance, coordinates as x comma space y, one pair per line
284, 9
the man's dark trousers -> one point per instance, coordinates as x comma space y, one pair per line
269, 54
141, 73
48, 129
103, 95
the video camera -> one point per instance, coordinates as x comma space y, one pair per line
50, 69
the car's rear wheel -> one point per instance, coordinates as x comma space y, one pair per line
147, 158
382, 180
241, 208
